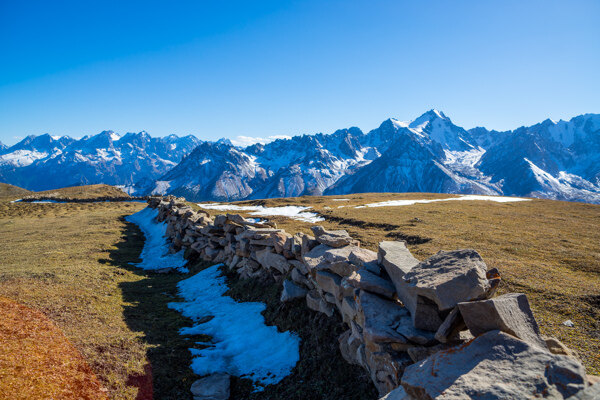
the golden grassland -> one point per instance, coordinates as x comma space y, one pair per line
549, 250
12, 192
71, 263
84, 192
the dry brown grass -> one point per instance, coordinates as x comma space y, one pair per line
56, 258
37, 361
10, 192
84, 192
549, 250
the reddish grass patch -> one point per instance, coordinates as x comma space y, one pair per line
38, 362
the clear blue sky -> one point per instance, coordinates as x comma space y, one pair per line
260, 68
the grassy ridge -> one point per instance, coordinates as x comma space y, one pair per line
84, 192
11, 192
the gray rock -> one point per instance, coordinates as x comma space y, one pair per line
451, 327
329, 282
360, 257
589, 393
349, 345
557, 347
298, 278
212, 387
313, 300
450, 277
494, 365
366, 280
291, 291
338, 238
386, 321
398, 261
315, 257
308, 243
397, 394
509, 313
342, 268
348, 309
299, 265
269, 260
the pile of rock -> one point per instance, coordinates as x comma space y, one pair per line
422, 330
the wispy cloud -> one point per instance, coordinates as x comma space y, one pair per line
244, 141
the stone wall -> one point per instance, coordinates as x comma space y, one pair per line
430, 329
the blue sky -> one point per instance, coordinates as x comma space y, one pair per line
263, 68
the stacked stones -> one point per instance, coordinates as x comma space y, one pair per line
422, 330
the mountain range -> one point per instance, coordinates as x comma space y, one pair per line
556, 160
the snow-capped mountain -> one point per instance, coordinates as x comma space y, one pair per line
48, 162
557, 160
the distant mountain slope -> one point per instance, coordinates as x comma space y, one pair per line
10, 191
46, 162
557, 160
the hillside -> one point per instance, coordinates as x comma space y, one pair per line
83, 192
547, 249
12, 192
116, 315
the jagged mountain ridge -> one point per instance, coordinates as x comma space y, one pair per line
48, 162
558, 160
429, 154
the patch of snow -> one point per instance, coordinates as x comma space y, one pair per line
114, 137
155, 254
241, 344
340, 199
498, 199
21, 158
295, 212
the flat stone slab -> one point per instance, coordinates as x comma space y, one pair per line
368, 281
509, 313
494, 365
450, 277
339, 238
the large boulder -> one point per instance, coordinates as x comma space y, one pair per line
495, 365
435, 286
450, 277
212, 387
509, 313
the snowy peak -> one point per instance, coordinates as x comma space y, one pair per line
439, 128
551, 159
48, 162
